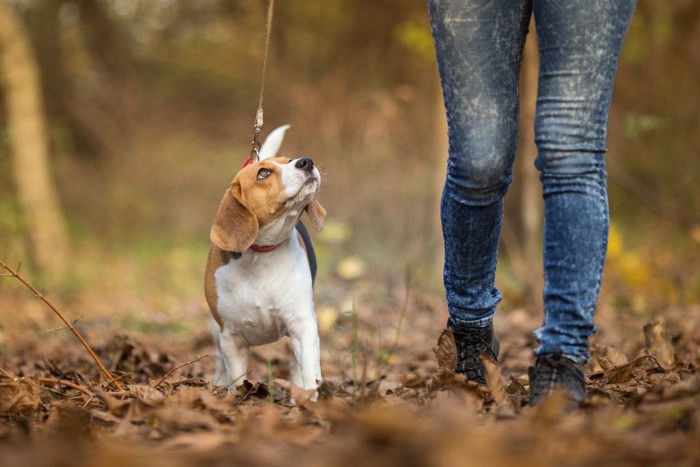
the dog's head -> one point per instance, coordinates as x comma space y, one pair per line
265, 201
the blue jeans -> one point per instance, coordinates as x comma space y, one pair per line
479, 45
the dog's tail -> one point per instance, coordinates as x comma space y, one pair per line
272, 143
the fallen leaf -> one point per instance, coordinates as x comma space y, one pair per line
202, 441
215, 403
19, 395
146, 393
659, 344
497, 386
687, 388
169, 419
517, 387
326, 390
610, 357
113, 405
494, 380
187, 396
412, 379
247, 390
69, 420
446, 351
300, 396
622, 374
106, 417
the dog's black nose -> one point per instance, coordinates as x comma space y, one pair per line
305, 163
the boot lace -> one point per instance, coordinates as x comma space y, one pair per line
471, 343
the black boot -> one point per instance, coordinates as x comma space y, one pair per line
471, 343
555, 372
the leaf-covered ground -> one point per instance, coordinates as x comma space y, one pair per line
387, 398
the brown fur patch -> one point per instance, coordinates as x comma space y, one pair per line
235, 226
317, 214
214, 261
265, 198
249, 203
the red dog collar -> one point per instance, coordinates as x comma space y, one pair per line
264, 248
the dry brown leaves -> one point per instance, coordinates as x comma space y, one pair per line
644, 409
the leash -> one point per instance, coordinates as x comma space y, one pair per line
258, 123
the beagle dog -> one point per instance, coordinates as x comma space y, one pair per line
260, 271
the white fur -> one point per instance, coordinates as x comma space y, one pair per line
264, 296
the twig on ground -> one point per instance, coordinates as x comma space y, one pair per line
63, 382
201, 357
72, 328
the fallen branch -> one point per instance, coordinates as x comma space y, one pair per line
63, 382
201, 357
40, 296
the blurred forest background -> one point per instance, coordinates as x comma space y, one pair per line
146, 108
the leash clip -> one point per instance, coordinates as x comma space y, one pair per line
257, 129
255, 150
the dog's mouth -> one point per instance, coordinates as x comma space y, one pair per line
312, 179
308, 188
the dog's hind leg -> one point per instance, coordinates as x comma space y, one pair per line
219, 374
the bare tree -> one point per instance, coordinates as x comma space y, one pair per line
30, 154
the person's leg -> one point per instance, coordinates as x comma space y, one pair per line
479, 46
580, 43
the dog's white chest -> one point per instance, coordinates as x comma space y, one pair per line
261, 295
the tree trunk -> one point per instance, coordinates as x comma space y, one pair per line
29, 146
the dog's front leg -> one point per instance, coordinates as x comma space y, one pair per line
235, 355
307, 353
295, 371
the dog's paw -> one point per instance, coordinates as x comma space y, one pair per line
300, 396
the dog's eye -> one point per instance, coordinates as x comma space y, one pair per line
264, 173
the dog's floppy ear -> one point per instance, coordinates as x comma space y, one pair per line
235, 226
316, 214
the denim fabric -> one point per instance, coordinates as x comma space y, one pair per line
479, 46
